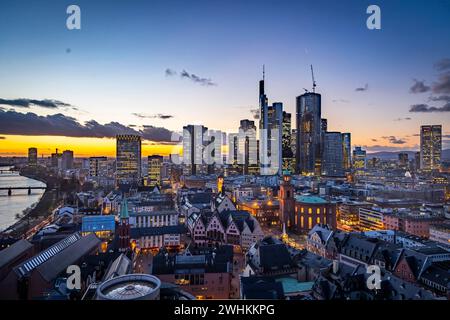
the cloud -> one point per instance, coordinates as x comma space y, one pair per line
170, 72
401, 119
12, 122
443, 64
152, 116
27, 103
378, 147
340, 101
197, 79
442, 85
445, 98
426, 108
419, 87
374, 140
362, 89
394, 140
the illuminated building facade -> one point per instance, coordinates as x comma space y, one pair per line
371, 219
312, 210
288, 156
359, 160
308, 148
155, 163
430, 147
347, 150
128, 159
287, 201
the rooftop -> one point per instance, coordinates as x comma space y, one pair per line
310, 199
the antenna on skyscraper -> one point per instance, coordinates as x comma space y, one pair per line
264, 72
313, 80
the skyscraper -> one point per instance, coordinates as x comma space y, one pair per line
193, 145
309, 126
128, 159
155, 163
247, 145
359, 160
347, 151
403, 160
430, 147
67, 160
98, 166
32, 156
275, 133
287, 153
333, 155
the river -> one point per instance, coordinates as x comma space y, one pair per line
15, 204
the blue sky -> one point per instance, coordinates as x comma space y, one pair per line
115, 65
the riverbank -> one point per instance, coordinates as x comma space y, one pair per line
42, 210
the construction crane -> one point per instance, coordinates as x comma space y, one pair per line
313, 80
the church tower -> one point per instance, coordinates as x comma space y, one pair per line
124, 227
287, 201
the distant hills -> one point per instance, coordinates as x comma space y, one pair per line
392, 155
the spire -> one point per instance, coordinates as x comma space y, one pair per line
124, 209
264, 72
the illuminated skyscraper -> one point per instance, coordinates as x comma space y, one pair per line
333, 155
32, 156
430, 147
347, 151
287, 153
155, 163
128, 159
309, 124
359, 160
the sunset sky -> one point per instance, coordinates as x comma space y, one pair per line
153, 66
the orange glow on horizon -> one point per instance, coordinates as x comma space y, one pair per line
14, 145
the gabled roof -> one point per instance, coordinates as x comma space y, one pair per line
275, 257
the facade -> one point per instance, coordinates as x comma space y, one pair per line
128, 159
288, 156
228, 227
440, 233
205, 275
371, 219
287, 201
359, 160
333, 155
247, 148
347, 150
312, 210
308, 147
430, 147
98, 167
193, 145
67, 160
32, 156
155, 163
